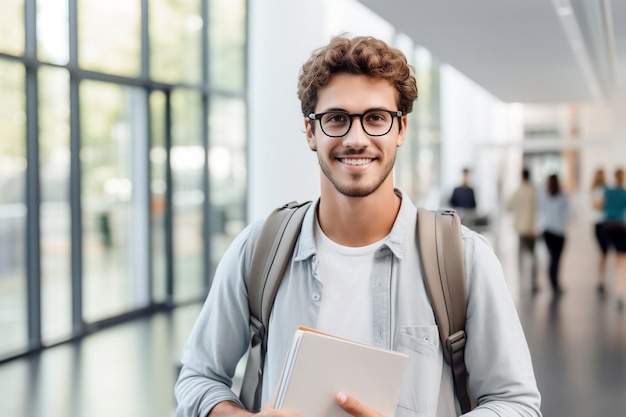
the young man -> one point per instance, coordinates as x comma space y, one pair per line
355, 270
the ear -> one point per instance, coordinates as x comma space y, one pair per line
402, 133
310, 136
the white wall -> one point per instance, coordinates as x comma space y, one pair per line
474, 126
282, 35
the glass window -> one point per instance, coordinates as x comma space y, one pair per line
158, 189
428, 127
12, 208
114, 199
188, 164
53, 31
172, 25
227, 172
124, 164
118, 52
54, 156
12, 27
227, 38
404, 170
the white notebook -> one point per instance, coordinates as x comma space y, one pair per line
319, 365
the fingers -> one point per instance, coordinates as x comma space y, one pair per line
270, 412
348, 404
353, 406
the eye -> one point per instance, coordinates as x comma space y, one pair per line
335, 118
376, 117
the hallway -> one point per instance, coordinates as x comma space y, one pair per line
578, 343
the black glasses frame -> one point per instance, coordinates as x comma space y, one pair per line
351, 116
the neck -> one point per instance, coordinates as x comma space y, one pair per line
358, 221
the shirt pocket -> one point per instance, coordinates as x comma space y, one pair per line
420, 391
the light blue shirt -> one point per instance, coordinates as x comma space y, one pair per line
554, 213
497, 356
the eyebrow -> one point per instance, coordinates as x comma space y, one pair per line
337, 109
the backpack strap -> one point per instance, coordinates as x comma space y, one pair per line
445, 283
270, 256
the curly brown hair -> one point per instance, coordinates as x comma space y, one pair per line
359, 55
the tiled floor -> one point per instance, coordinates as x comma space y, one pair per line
578, 341
123, 371
578, 344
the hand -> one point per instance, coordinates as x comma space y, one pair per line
268, 410
271, 412
231, 409
354, 407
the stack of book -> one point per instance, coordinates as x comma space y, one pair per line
320, 365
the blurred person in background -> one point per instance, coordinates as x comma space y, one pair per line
523, 205
598, 186
614, 218
554, 213
463, 200
462, 197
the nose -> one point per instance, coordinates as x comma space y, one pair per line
356, 136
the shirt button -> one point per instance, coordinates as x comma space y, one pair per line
316, 297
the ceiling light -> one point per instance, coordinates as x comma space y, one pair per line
564, 11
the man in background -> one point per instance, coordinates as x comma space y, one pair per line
523, 205
463, 196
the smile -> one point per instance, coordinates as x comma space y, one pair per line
356, 162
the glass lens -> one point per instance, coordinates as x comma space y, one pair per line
377, 123
336, 124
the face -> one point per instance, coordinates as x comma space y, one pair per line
356, 164
600, 176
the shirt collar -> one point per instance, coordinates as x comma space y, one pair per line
403, 229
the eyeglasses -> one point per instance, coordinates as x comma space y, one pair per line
336, 124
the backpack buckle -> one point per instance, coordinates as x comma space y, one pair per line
257, 331
456, 341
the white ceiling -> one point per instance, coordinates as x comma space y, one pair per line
519, 50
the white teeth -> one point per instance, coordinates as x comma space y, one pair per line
356, 161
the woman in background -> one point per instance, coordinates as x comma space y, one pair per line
614, 221
598, 187
554, 213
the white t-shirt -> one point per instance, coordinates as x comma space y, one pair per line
346, 305
597, 195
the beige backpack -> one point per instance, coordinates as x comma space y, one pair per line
437, 233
